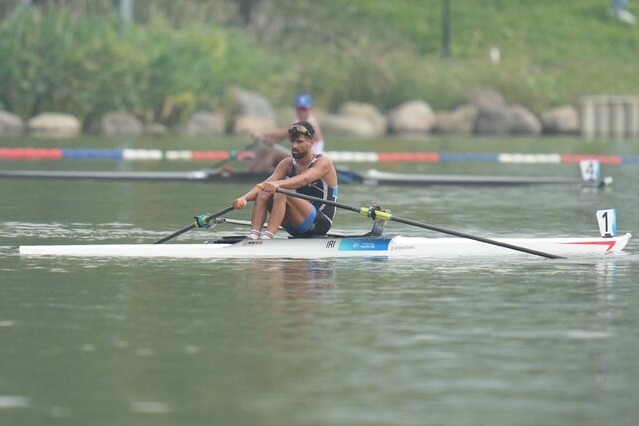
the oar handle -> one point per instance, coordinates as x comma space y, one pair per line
318, 200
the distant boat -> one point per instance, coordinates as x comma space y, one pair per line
369, 177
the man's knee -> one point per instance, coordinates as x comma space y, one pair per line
278, 197
263, 197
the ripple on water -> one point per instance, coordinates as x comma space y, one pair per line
13, 401
76, 231
149, 407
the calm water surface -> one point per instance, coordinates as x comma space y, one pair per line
523, 341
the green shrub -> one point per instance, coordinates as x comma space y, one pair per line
58, 62
182, 55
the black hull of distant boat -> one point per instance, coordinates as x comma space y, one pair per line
369, 177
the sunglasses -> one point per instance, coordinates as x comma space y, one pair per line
297, 130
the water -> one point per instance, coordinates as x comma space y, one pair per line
290, 342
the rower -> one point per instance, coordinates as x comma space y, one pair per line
304, 171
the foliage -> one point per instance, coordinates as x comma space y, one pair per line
182, 54
56, 62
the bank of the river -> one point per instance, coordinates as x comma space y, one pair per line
169, 65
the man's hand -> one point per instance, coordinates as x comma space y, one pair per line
270, 186
239, 203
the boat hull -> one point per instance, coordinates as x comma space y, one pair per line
313, 248
368, 178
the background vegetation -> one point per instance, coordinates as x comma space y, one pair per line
76, 56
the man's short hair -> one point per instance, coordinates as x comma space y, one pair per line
301, 128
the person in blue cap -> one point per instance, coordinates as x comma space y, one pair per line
267, 159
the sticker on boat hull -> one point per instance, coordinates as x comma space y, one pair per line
364, 244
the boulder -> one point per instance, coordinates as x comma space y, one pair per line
460, 121
344, 125
246, 103
366, 112
156, 129
561, 120
10, 124
354, 119
493, 122
411, 117
244, 124
524, 121
50, 124
496, 117
249, 111
504, 120
486, 97
205, 123
118, 123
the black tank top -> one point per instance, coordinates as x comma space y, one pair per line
317, 189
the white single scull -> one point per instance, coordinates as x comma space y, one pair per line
339, 247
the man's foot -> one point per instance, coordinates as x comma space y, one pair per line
267, 235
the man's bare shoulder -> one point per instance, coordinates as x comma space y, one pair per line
283, 166
323, 159
286, 162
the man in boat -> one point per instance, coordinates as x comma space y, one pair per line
304, 171
266, 159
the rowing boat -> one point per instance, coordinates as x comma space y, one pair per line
371, 244
338, 247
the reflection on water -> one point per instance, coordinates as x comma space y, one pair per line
292, 278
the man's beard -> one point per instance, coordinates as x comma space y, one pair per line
299, 154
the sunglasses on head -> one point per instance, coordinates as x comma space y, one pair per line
298, 129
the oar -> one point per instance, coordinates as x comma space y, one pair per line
274, 146
193, 225
233, 154
376, 214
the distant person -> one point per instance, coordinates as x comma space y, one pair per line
269, 158
620, 11
304, 172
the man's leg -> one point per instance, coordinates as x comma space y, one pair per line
278, 213
287, 209
260, 209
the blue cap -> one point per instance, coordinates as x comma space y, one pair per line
303, 100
